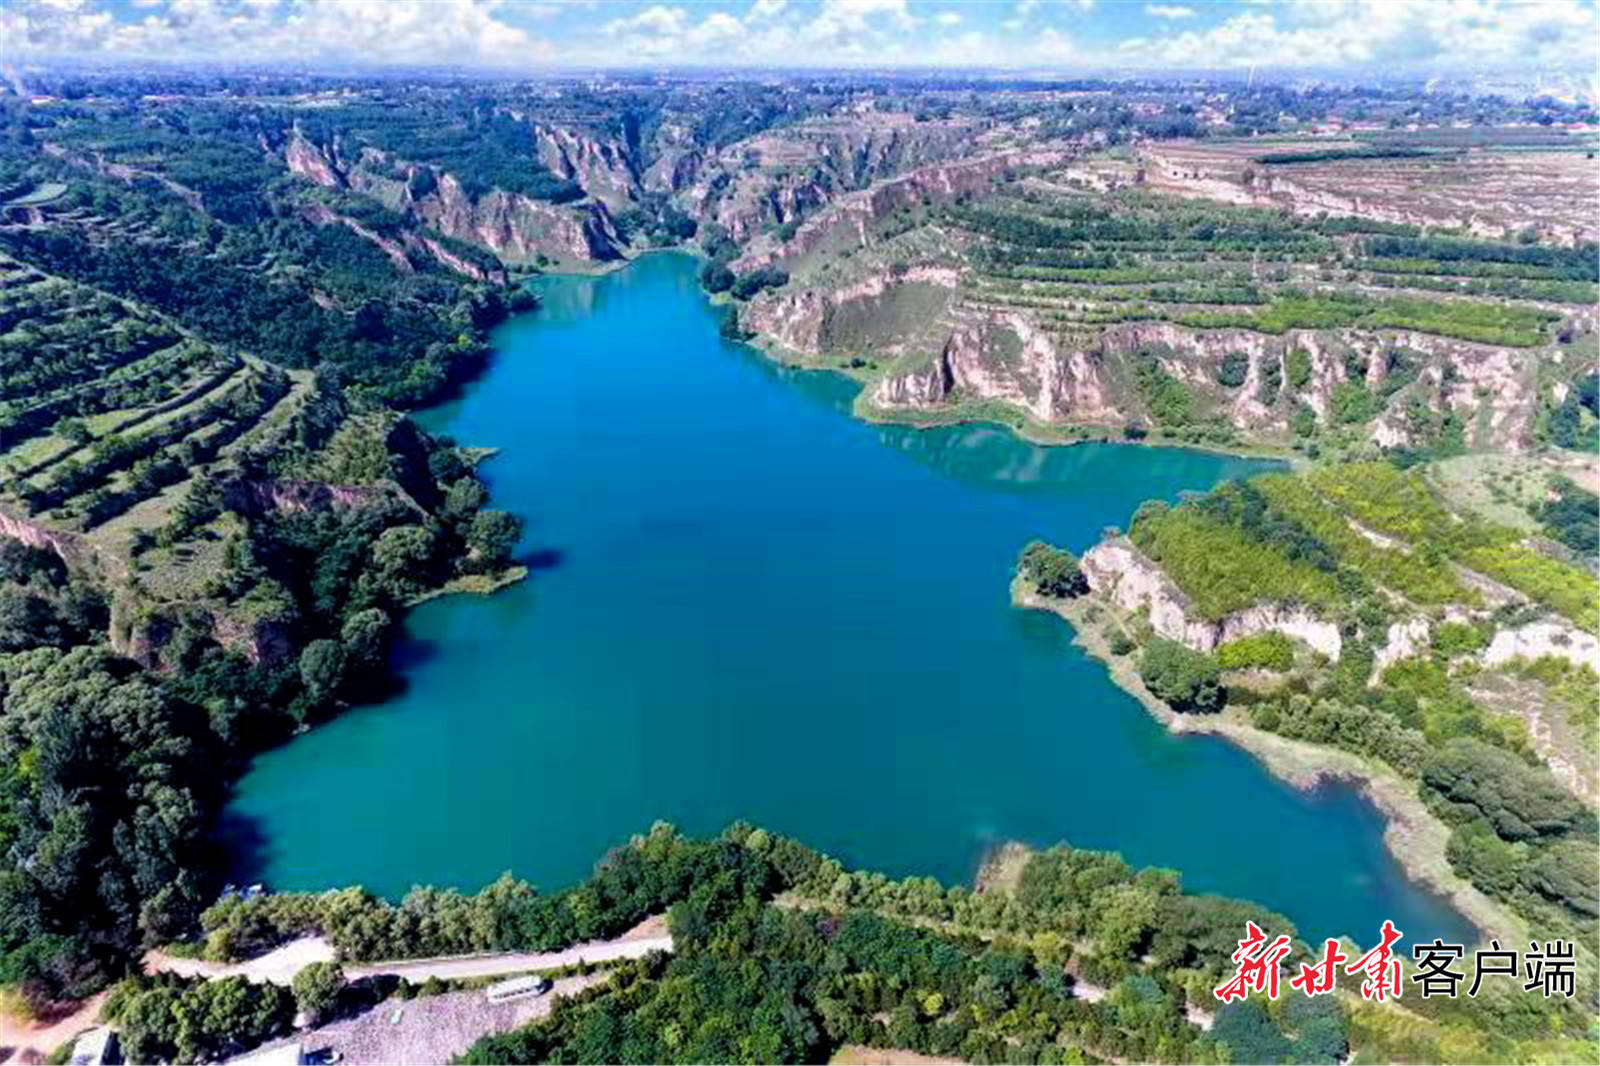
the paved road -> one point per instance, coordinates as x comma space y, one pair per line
281, 964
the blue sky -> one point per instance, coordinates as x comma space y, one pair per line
1423, 36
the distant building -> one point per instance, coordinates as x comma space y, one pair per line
96, 1047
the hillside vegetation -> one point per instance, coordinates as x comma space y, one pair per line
1462, 658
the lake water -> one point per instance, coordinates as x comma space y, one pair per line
749, 605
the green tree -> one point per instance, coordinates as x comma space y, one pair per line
322, 669
493, 536
364, 635
317, 989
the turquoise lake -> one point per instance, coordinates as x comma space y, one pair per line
749, 605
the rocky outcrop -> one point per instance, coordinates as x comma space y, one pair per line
808, 321
312, 163
1539, 639
261, 640
322, 216
1126, 577
1403, 640
601, 165
677, 159
1004, 356
143, 634
70, 548
493, 275
256, 498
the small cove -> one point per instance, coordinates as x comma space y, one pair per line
749, 605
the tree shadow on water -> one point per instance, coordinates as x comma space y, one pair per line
542, 559
240, 848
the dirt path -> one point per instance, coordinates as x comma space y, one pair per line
32, 1040
278, 965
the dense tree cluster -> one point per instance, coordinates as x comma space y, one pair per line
1053, 571
1572, 516
173, 1019
1184, 679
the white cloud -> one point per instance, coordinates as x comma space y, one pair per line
1421, 35
1393, 34
396, 31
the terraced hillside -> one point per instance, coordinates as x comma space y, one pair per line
1492, 183
1060, 297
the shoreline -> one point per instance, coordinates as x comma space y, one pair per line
1414, 836
994, 413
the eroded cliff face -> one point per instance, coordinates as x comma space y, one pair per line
1067, 379
518, 228
850, 219
1003, 356
317, 165
1118, 571
782, 175
1539, 639
143, 634
514, 227
70, 548
814, 322
602, 165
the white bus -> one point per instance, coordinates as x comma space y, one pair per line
516, 988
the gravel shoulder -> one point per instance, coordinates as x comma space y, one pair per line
430, 1029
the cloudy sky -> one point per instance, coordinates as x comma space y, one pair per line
1530, 36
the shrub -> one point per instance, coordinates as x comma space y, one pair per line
1454, 639
1235, 367
1297, 364
1264, 651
